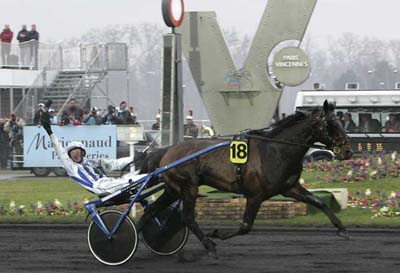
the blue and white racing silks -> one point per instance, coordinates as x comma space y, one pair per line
86, 175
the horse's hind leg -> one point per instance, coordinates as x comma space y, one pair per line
252, 206
301, 194
189, 195
162, 202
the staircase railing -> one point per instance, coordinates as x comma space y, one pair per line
27, 106
96, 65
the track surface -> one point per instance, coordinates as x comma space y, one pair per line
64, 249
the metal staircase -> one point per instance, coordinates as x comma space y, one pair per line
72, 84
60, 81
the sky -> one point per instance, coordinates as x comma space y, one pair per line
62, 19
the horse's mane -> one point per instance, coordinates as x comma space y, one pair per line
280, 125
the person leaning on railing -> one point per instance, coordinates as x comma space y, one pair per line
92, 118
72, 115
23, 40
5, 38
34, 45
190, 129
38, 114
156, 125
110, 117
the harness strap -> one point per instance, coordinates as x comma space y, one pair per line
239, 177
239, 174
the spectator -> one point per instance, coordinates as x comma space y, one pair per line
4, 146
34, 46
156, 125
123, 115
53, 117
6, 37
23, 38
348, 125
92, 118
367, 124
38, 114
132, 116
110, 117
340, 116
72, 115
207, 131
393, 124
14, 127
132, 120
190, 129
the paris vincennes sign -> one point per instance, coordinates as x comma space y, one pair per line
291, 66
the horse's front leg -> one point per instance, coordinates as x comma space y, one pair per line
252, 206
189, 195
301, 194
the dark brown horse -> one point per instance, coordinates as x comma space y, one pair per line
274, 166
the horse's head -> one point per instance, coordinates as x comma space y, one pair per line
329, 131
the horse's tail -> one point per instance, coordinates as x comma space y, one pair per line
151, 161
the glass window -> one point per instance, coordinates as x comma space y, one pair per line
368, 119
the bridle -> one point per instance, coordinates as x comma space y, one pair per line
333, 144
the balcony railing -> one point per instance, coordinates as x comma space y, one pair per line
36, 55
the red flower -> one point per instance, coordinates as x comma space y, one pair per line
364, 201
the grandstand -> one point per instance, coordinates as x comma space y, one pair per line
61, 73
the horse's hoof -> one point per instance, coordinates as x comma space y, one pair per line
183, 257
344, 234
214, 234
208, 244
212, 254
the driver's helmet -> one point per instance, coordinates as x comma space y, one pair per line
76, 145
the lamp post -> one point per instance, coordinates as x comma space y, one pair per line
171, 128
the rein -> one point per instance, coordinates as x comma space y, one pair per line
317, 146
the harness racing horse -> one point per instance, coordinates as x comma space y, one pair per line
274, 166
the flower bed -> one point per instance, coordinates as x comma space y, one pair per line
380, 203
366, 168
54, 207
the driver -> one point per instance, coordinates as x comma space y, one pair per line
89, 173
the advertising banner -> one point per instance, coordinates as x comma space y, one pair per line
100, 142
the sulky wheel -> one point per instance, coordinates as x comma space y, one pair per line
165, 234
123, 244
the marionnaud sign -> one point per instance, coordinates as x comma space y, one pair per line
291, 66
100, 142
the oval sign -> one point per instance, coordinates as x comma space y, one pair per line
172, 11
291, 66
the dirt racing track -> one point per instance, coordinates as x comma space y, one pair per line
63, 248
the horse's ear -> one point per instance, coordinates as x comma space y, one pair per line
326, 106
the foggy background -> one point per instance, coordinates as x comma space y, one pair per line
347, 41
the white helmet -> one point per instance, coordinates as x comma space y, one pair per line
76, 145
